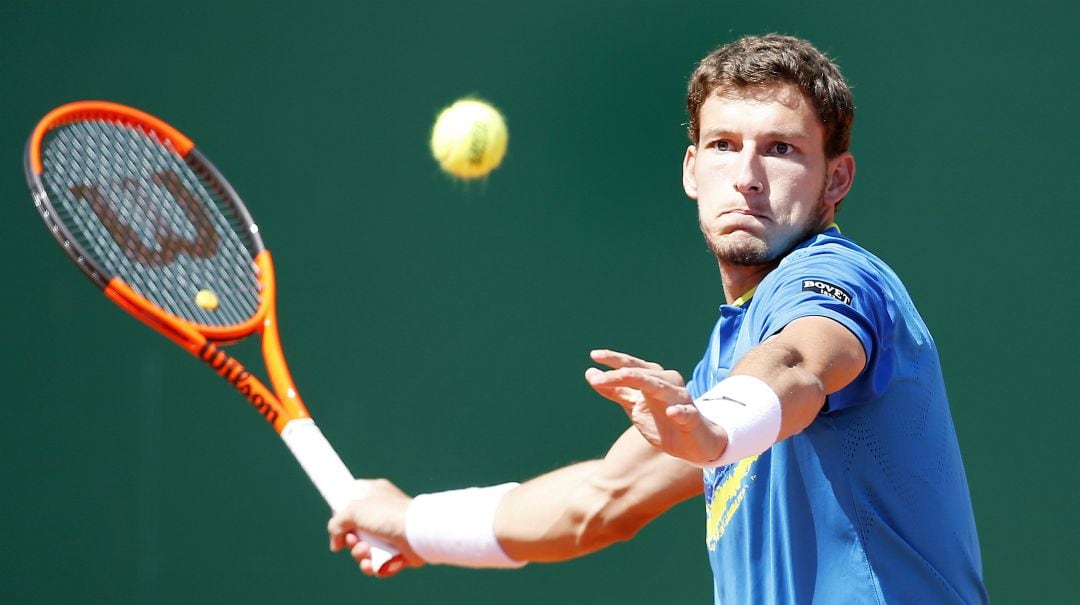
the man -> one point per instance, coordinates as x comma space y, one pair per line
818, 411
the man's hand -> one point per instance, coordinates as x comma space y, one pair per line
658, 404
380, 514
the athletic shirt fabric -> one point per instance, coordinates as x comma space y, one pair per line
869, 504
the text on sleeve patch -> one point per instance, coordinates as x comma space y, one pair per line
824, 287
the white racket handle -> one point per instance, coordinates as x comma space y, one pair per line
331, 477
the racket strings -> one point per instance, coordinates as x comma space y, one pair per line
241, 225
136, 206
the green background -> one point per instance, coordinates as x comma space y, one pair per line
439, 330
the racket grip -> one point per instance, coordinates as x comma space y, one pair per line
333, 480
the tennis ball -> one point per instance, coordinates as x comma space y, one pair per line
207, 300
469, 139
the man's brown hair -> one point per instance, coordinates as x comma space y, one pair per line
759, 62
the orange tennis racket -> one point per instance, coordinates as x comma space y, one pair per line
154, 224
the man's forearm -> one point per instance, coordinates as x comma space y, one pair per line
587, 506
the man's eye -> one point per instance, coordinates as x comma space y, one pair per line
782, 148
722, 145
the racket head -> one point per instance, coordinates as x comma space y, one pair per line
153, 223
149, 219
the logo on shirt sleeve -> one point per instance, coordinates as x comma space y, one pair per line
824, 287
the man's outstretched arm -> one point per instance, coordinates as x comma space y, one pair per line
560, 515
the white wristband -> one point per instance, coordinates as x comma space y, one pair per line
749, 412
458, 527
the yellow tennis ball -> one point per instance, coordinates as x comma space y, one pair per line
207, 300
469, 138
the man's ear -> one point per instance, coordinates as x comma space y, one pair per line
839, 179
689, 181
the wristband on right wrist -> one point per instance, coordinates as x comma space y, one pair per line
457, 527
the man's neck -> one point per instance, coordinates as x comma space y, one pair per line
740, 279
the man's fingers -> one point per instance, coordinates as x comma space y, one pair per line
682, 414
624, 396
361, 553
337, 542
360, 550
340, 527
616, 359
636, 378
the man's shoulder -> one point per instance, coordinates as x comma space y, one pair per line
831, 254
830, 243
828, 267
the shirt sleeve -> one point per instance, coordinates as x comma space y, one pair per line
829, 281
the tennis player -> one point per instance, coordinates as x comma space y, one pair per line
817, 415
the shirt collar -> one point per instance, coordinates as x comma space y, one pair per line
745, 298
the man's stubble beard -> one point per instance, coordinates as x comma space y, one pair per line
755, 251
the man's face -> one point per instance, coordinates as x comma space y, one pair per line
759, 174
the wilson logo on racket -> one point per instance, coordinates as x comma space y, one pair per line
233, 371
170, 243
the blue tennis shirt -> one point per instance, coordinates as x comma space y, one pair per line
870, 503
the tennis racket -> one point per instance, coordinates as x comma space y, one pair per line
154, 224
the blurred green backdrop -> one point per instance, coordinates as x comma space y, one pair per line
439, 330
